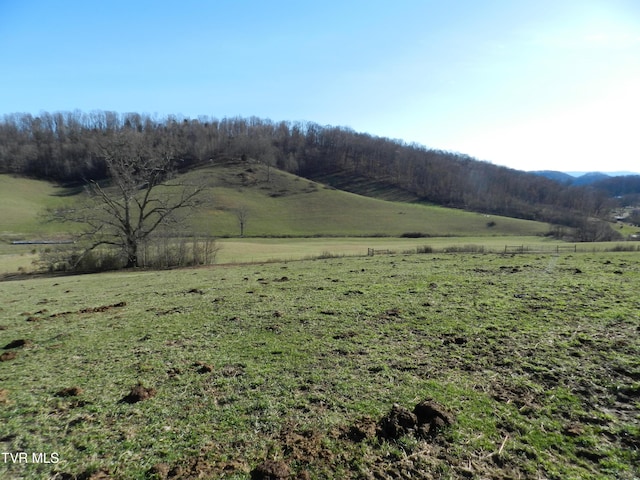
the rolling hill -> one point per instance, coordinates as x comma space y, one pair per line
338, 156
284, 206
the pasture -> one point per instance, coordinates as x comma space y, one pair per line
532, 363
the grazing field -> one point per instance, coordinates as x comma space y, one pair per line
524, 366
23, 200
284, 206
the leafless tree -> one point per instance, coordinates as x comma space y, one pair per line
141, 194
242, 214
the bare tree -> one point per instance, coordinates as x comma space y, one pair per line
242, 214
142, 194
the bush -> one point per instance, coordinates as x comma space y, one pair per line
160, 252
414, 235
624, 248
168, 252
470, 248
424, 249
76, 259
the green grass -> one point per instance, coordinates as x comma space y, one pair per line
285, 206
537, 354
23, 200
288, 205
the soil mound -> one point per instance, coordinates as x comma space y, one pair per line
6, 356
69, 392
271, 470
138, 394
425, 421
20, 343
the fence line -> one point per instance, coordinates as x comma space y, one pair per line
371, 252
539, 248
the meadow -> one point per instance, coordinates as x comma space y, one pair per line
529, 365
287, 218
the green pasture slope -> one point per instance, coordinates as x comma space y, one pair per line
22, 201
284, 206
532, 363
288, 205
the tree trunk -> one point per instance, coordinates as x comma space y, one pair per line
132, 253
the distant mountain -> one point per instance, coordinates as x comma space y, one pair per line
609, 174
573, 178
589, 178
624, 186
561, 177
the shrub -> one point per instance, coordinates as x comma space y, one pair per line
624, 248
424, 249
470, 248
414, 235
160, 252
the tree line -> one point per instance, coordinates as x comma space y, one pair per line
68, 147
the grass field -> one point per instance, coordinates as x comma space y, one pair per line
287, 205
23, 200
533, 362
21, 258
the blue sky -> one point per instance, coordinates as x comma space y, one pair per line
531, 84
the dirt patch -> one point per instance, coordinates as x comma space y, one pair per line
70, 392
425, 421
432, 417
20, 343
103, 308
397, 423
203, 367
168, 312
304, 446
271, 470
101, 474
360, 431
100, 309
159, 471
196, 468
6, 356
196, 291
232, 370
138, 394
4, 396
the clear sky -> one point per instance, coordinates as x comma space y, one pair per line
531, 84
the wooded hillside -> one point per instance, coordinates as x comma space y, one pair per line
64, 146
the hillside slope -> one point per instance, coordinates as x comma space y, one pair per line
277, 203
61, 147
288, 205
23, 200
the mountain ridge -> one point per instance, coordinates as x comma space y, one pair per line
581, 178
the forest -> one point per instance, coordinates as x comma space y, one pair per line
64, 147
